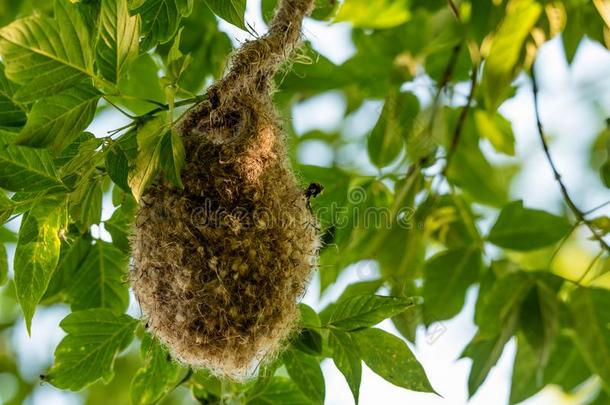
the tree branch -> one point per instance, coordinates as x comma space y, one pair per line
457, 133
580, 216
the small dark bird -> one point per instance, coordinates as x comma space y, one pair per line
312, 191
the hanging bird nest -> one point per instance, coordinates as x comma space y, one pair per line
220, 265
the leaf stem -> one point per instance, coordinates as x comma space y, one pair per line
580, 216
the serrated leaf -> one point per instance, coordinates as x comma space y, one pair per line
98, 281
524, 229
160, 19
229, 10
37, 254
157, 376
172, 157
25, 169
346, 357
95, 337
147, 163
117, 45
47, 55
57, 120
499, 69
366, 310
306, 373
591, 318
448, 275
390, 358
374, 14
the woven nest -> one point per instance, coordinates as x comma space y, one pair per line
220, 265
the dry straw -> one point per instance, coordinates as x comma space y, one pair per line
219, 266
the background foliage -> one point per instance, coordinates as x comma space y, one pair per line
65, 63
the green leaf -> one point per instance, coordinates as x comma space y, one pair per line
306, 373
471, 171
117, 165
485, 353
160, 18
447, 277
366, 310
7, 206
157, 376
229, 10
374, 14
37, 254
172, 157
540, 318
524, 229
47, 56
385, 143
11, 115
119, 227
565, 368
346, 357
150, 137
117, 43
95, 337
74, 249
497, 304
280, 390
3, 265
390, 358
499, 69
177, 63
57, 120
591, 319
25, 169
98, 281
497, 130
141, 82
86, 203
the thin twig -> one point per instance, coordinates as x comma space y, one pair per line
563, 241
580, 216
454, 8
457, 133
592, 210
589, 268
125, 113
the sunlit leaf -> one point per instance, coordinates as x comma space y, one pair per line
374, 14
366, 310
46, 56
229, 10
37, 254
117, 43
57, 120
87, 353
